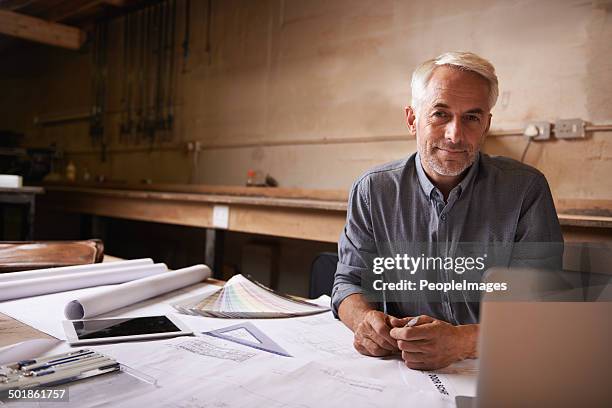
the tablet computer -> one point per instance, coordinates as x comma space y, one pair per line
113, 330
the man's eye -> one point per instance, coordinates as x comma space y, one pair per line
439, 114
473, 118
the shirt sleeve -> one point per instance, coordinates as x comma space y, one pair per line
538, 240
356, 247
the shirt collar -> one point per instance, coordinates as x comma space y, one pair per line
424, 181
428, 186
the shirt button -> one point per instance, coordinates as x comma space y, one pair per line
443, 217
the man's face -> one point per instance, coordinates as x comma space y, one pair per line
452, 121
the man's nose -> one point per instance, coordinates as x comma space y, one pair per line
454, 131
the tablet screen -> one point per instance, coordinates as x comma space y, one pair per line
129, 326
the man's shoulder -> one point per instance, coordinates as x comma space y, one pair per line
505, 167
387, 172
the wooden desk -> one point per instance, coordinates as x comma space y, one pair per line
13, 331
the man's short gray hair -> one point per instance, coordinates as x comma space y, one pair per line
462, 60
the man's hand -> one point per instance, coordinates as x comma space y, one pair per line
431, 344
372, 336
371, 327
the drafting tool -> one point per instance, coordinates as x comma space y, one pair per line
248, 335
53, 370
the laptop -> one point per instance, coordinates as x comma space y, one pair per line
548, 344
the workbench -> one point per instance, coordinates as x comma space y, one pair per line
317, 215
292, 213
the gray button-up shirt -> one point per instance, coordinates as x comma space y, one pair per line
499, 200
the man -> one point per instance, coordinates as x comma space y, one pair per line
446, 192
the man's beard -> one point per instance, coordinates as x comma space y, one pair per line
443, 167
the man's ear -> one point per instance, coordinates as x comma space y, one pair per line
488, 124
411, 119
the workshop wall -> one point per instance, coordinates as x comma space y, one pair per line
278, 85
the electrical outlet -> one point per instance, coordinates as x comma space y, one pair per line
569, 129
220, 217
537, 130
194, 146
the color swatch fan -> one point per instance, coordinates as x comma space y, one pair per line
241, 297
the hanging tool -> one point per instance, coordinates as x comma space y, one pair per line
148, 124
99, 71
161, 124
148, 73
187, 33
104, 70
94, 82
132, 58
207, 49
167, 64
160, 67
144, 73
151, 84
140, 75
171, 80
123, 127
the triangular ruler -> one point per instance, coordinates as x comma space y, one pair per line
248, 335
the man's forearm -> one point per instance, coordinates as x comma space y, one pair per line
353, 309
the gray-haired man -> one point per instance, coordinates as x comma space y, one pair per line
446, 192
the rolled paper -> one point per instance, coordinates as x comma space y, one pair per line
68, 270
135, 291
42, 286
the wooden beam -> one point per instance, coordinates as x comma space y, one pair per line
77, 8
36, 29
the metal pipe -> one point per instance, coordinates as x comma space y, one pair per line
304, 142
598, 128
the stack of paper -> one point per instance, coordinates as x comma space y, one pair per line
243, 298
10, 181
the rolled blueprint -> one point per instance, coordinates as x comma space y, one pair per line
132, 292
61, 283
69, 270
